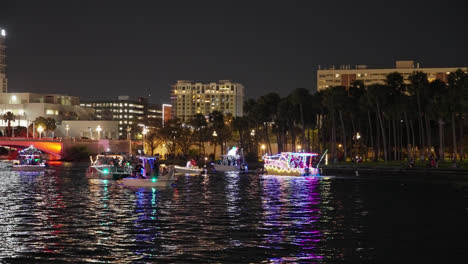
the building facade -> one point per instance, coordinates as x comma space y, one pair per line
346, 75
3, 64
190, 98
130, 112
26, 107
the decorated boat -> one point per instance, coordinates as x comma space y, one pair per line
291, 164
110, 164
29, 159
164, 180
232, 161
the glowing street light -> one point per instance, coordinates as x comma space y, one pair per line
98, 129
129, 136
40, 129
67, 129
299, 148
263, 146
252, 133
215, 134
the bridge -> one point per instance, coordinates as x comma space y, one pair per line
57, 147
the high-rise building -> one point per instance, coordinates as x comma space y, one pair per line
3, 64
190, 98
345, 75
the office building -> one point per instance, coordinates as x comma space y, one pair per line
190, 98
130, 112
345, 75
3, 64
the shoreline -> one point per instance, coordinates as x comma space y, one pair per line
416, 173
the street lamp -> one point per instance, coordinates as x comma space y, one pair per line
40, 129
299, 148
252, 133
144, 132
129, 136
215, 134
263, 148
67, 129
98, 129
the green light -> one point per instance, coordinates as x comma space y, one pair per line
153, 179
105, 170
105, 181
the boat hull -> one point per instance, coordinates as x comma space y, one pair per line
273, 170
179, 169
28, 167
224, 168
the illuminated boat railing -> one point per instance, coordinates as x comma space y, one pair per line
282, 163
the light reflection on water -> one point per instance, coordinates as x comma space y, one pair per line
63, 216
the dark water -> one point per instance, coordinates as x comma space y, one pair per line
63, 217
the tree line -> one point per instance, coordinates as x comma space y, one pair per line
394, 120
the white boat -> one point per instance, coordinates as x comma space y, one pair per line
291, 164
232, 161
188, 169
161, 181
30, 159
110, 164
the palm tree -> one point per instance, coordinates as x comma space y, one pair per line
198, 122
378, 94
418, 89
9, 117
51, 125
267, 109
439, 108
457, 87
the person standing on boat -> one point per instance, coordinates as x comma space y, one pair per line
147, 169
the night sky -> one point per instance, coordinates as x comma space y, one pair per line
102, 49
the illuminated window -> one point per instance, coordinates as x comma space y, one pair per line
49, 112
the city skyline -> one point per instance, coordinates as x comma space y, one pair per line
91, 49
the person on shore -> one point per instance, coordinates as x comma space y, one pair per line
454, 160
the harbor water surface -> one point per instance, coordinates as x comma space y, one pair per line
63, 216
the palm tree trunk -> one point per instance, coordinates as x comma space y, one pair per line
333, 137
377, 129
409, 151
303, 125
441, 139
267, 136
428, 130
343, 134
383, 133
371, 133
461, 138
394, 140
413, 138
454, 136
422, 142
